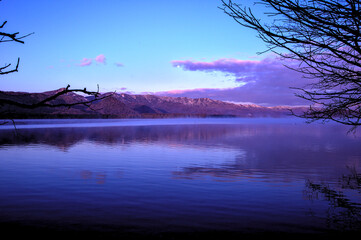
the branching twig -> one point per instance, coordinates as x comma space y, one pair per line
10, 37
47, 101
324, 38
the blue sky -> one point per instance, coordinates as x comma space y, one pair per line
133, 46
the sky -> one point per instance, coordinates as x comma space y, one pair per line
175, 48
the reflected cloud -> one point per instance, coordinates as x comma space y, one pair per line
225, 173
86, 174
99, 177
201, 172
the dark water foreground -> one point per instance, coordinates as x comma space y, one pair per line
179, 179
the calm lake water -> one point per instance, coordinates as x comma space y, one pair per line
180, 175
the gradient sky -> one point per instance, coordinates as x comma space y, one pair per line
173, 48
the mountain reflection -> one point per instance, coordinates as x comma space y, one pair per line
285, 149
67, 137
235, 176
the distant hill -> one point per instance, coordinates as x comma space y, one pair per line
121, 105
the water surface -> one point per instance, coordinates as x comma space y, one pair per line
179, 175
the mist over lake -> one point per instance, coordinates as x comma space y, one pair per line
160, 176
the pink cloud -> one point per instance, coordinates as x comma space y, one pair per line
185, 91
266, 82
100, 58
86, 62
177, 91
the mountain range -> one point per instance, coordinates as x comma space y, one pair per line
122, 105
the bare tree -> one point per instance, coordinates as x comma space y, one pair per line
49, 100
323, 38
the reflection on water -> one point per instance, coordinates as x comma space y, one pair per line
239, 176
344, 211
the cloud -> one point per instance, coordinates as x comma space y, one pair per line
242, 70
118, 64
266, 82
100, 58
233, 66
88, 61
85, 62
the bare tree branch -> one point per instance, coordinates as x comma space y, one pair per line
7, 37
9, 71
10, 37
47, 101
324, 37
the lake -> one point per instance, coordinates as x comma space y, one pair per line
186, 177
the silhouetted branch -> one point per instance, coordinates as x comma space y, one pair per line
323, 38
10, 37
9, 71
47, 101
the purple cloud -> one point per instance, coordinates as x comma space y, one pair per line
118, 64
86, 62
266, 82
100, 58
242, 70
223, 65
